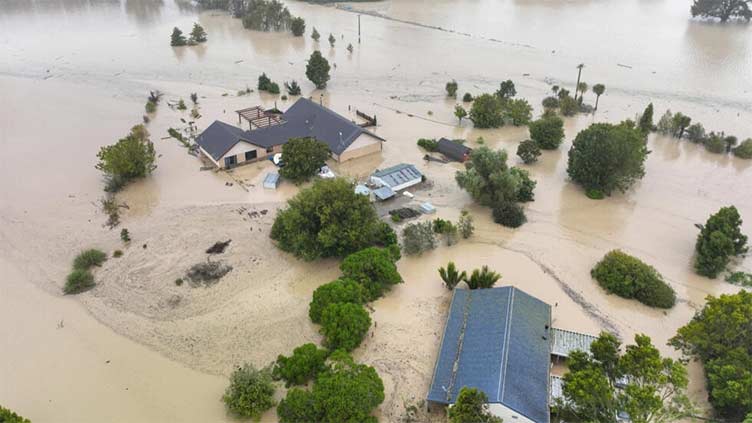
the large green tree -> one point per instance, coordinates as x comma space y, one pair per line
518, 111
374, 269
344, 325
486, 111
8, 416
251, 392
606, 157
344, 392
303, 157
297, 26
471, 406
303, 365
628, 277
338, 291
547, 132
720, 335
317, 70
329, 220
652, 389
720, 239
130, 158
722, 9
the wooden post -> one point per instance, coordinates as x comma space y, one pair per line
358, 29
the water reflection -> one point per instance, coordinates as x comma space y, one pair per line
10, 7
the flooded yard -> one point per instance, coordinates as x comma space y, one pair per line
74, 76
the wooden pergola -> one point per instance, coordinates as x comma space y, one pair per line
257, 117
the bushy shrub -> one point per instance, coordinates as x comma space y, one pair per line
303, 157
525, 185
547, 132
451, 88
292, 88
518, 111
344, 325
131, 157
528, 151
568, 106
465, 224
628, 277
251, 392
550, 103
297, 26
696, 133
329, 220
89, 258
117, 253
428, 144
150, 107
78, 281
482, 278
744, 150
510, 215
418, 237
297, 407
125, 236
374, 269
467, 98
337, 291
451, 276
471, 406
715, 143
7, 416
486, 111
302, 366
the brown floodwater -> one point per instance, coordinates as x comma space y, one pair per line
74, 75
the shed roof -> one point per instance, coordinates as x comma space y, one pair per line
305, 118
453, 149
563, 342
496, 340
398, 174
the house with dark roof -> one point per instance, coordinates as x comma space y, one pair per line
227, 145
496, 340
453, 150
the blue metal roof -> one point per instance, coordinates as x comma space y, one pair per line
496, 340
399, 174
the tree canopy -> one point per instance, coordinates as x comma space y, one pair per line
628, 277
329, 220
303, 157
302, 366
177, 38
547, 132
471, 406
344, 325
251, 392
263, 15
317, 70
337, 291
720, 336
297, 26
130, 158
606, 157
374, 269
719, 240
601, 383
8, 416
722, 9
486, 111
528, 151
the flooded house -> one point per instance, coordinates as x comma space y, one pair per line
397, 177
453, 150
498, 341
227, 145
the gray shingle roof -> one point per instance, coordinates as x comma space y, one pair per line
496, 340
305, 118
453, 150
398, 174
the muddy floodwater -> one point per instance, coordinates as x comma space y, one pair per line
74, 75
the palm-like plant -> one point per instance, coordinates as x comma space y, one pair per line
451, 276
582, 88
482, 278
579, 73
598, 89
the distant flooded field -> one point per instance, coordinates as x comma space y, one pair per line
74, 76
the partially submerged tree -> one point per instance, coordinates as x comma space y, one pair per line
263, 15
451, 88
482, 278
722, 9
547, 132
317, 70
598, 89
332, 40
606, 157
471, 406
744, 150
303, 157
460, 112
315, 35
518, 111
374, 269
341, 290
198, 34
130, 158
329, 220
177, 38
646, 120
303, 365
486, 111
251, 392
297, 26
720, 336
528, 151
506, 90
344, 325
719, 240
292, 88
418, 237
628, 277
451, 276
653, 387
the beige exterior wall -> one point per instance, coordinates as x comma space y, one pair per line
239, 151
507, 414
363, 145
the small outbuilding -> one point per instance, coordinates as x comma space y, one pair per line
271, 180
397, 177
498, 341
453, 150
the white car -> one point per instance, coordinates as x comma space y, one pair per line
277, 160
326, 173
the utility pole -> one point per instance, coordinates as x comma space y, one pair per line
358, 29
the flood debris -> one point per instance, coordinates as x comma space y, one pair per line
218, 247
207, 273
404, 213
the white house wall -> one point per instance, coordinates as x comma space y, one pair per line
363, 145
507, 414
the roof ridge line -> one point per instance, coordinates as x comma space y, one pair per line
455, 363
505, 357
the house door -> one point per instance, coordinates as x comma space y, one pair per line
231, 161
250, 155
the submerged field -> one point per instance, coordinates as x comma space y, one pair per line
156, 351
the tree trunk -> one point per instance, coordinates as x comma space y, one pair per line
577, 87
597, 97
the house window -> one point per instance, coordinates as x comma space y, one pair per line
231, 161
250, 155
270, 149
